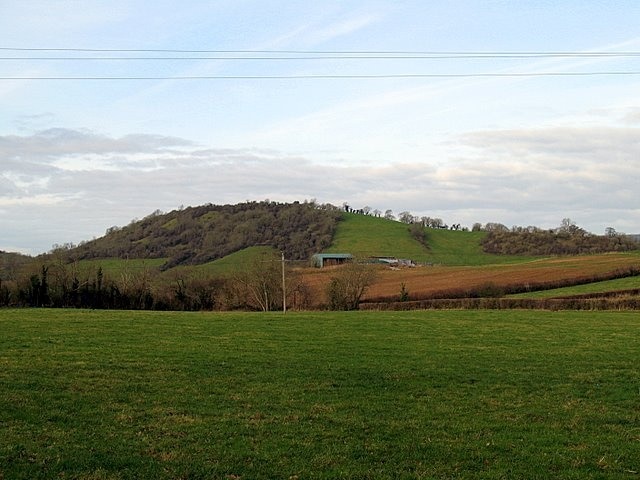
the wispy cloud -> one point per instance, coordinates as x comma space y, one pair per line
342, 27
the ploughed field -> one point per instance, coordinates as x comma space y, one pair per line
453, 394
423, 281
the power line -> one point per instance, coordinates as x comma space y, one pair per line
336, 52
368, 56
305, 55
328, 76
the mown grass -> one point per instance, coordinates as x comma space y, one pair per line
123, 395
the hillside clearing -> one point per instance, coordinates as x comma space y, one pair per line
365, 236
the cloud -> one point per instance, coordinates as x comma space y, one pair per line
59, 141
323, 30
632, 116
37, 121
516, 177
584, 172
36, 200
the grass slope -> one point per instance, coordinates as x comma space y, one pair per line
628, 283
364, 236
221, 267
115, 266
228, 265
127, 395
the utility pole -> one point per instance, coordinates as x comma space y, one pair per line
284, 288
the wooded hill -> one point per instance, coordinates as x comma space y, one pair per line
197, 235
568, 239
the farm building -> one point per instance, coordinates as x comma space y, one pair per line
393, 261
321, 260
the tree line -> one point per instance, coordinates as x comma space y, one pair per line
567, 239
265, 283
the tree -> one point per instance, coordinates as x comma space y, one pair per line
405, 217
436, 223
569, 227
262, 281
346, 288
388, 214
495, 227
404, 293
417, 231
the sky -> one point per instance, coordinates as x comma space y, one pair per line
111, 110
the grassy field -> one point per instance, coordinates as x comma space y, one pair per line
364, 236
124, 395
627, 283
230, 264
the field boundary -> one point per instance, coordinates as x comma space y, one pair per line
599, 303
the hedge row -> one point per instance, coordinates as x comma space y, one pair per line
619, 303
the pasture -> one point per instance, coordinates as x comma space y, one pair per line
453, 394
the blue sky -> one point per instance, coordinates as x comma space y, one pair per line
79, 156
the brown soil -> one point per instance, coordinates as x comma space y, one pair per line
422, 281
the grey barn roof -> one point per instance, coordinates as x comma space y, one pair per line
319, 259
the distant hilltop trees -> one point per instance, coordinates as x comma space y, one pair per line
567, 239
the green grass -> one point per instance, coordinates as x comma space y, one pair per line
222, 266
115, 266
364, 236
124, 395
627, 283
463, 248
227, 265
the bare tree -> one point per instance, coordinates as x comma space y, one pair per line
405, 217
348, 285
262, 281
437, 223
610, 232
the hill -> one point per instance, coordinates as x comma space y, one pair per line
198, 235
366, 236
220, 257
568, 239
209, 233
11, 262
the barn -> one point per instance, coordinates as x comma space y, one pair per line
321, 260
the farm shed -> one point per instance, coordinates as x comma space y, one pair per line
320, 260
393, 261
